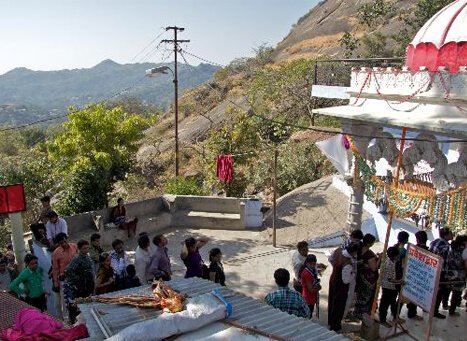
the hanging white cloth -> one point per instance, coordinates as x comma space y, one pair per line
336, 152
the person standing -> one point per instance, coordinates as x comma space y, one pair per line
95, 250
402, 240
160, 267
440, 246
143, 255
79, 279
456, 272
105, 276
45, 209
421, 238
310, 283
31, 279
367, 276
216, 268
5, 275
119, 262
298, 263
388, 284
343, 274
54, 226
61, 257
191, 257
285, 299
355, 237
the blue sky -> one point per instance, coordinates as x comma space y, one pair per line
58, 34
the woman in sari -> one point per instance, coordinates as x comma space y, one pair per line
367, 276
105, 277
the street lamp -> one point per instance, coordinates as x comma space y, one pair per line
163, 70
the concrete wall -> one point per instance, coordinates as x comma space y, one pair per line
207, 204
166, 211
142, 209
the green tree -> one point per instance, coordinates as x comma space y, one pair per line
375, 45
283, 91
349, 43
239, 137
376, 12
95, 149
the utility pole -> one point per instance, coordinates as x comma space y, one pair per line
175, 42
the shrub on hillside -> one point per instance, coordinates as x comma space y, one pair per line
184, 186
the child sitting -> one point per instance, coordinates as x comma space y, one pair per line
131, 280
389, 296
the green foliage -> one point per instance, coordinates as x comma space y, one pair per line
96, 148
30, 167
5, 232
375, 45
374, 13
423, 11
349, 43
239, 137
184, 186
85, 189
298, 164
282, 92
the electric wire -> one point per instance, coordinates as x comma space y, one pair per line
147, 46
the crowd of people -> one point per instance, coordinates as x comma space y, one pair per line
84, 269
354, 277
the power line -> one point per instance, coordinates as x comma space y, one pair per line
203, 59
152, 42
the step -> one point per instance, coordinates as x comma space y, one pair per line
234, 216
208, 220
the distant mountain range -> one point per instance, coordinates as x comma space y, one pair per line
27, 95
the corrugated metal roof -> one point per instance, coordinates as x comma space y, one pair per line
109, 319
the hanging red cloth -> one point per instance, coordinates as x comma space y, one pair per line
225, 168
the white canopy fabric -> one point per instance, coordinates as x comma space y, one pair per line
448, 25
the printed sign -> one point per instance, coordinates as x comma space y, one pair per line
421, 277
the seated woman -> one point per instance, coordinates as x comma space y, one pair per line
105, 276
119, 218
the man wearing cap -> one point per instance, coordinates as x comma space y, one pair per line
54, 226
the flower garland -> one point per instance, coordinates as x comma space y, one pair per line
449, 207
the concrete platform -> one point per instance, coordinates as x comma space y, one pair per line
250, 261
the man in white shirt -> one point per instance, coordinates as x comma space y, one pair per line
54, 226
298, 262
119, 261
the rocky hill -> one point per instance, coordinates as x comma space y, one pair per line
318, 32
